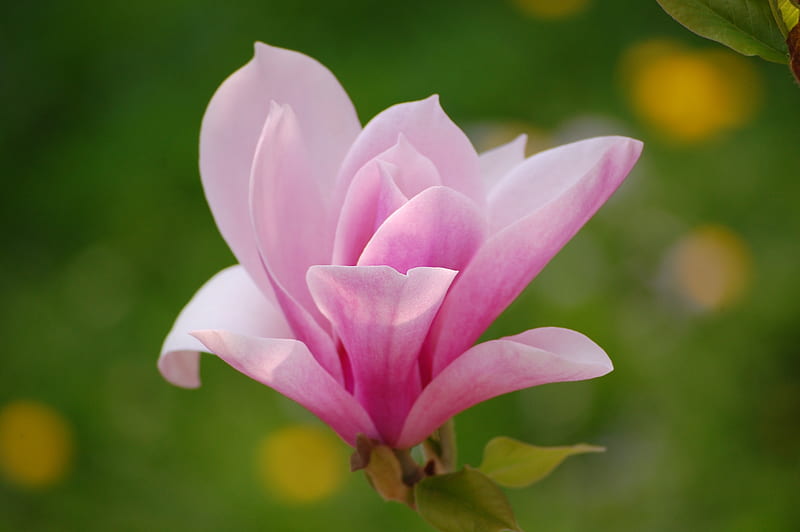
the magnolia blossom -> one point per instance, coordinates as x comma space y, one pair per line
371, 259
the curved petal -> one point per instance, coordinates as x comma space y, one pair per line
548, 175
372, 197
291, 228
233, 123
412, 171
514, 255
289, 217
228, 300
535, 357
381, 317
438, 227
426, 126
287, 367
498, 162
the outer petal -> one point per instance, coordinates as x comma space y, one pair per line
549, 175
372, 197
288, 367
535, 357
498, 162
438, 227
229, 300
432, 133
517, 253
381, 318
233, 123
291, 228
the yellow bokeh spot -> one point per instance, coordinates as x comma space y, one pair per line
302, 463
712, 267
551, 9
690, 95
36, 444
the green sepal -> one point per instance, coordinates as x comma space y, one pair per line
464, 501
747, 26
516, 464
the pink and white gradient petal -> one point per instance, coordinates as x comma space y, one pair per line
288, 367
381, 317
292, 229
560, 201
537, 356
431, 132
229, 300
412, 171
498, 162
233, 123
438, 227
372, 197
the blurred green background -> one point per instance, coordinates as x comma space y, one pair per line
688, 277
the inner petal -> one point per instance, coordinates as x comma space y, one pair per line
438, 227
372, 197
413, 171
381, 317
431, 132
292, 231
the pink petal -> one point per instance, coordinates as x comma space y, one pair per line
425, 125
289, 217
288, 367
412, 171
228, 300
233, 123
291, 227
379, 188
438, 227
381, 317
517, 252
498, 162
372, 197
535, 357
548, 175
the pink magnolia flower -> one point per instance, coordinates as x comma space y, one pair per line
371, 260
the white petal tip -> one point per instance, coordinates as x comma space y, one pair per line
208, 338
181, 368
261, 48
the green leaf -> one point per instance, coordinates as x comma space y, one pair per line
516, 464
466, 501
747, 26
785, 13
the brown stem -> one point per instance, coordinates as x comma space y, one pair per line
412, 472
793, 42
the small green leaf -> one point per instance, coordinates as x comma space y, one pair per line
747, 26
464, 501
515, 464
